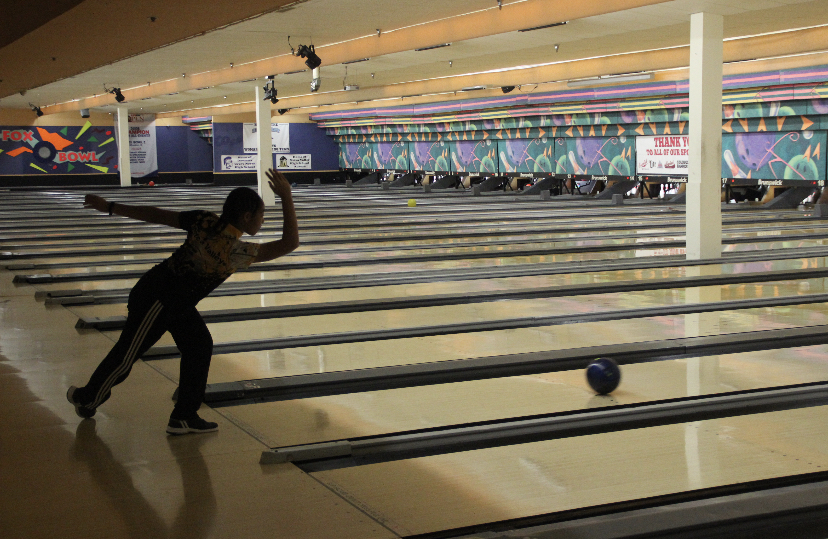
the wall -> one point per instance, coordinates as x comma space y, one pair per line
305, 138
181, 150
184, 153
772, 143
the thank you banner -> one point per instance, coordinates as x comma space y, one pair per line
664, 155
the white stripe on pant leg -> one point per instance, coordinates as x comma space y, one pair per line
126, 364
132, 351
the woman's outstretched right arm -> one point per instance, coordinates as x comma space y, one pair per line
149, 214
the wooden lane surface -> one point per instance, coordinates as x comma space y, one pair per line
474, 487
338, 417
404, 351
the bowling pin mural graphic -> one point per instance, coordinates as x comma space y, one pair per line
477, 156
526, 155
597, 156
349, 155
795, 155
430, 156
390, 155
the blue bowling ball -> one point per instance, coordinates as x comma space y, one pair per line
603, 375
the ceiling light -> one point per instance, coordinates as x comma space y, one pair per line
507, 89
356, 61
544, 26
36, 110
609, 79
309, 54
282, 111
434, 47
119, 97
472, 88
270, 93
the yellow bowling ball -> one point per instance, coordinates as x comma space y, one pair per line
411, 202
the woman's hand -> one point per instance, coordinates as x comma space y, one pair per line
278, 183
96, 202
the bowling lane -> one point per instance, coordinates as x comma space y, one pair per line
111, 232
92, 256
401, 230
499, 257
52, 241
92, 265
451, 287
89, 246
95, 257
105, 284
406, 351
321, 419
474, 487
493, 310
373, 262
313, 253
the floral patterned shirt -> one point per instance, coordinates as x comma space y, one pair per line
212, 252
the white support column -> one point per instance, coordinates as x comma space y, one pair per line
704, 210
123, 146
264, 160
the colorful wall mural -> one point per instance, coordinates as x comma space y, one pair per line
88, 149
58, 150
390, 155
774, 140
596, 156
527, 155
797, 155
431, 156
477, 157
354, 155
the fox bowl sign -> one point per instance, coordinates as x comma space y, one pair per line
72, 157
18, 135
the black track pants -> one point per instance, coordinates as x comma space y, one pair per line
151, 314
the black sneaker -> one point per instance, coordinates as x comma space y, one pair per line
194, 424
80, 409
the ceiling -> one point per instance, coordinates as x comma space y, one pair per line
180, 58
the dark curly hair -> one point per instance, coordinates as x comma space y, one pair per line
240, 201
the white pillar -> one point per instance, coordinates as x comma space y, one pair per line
123, 146
704, 210
264, 160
